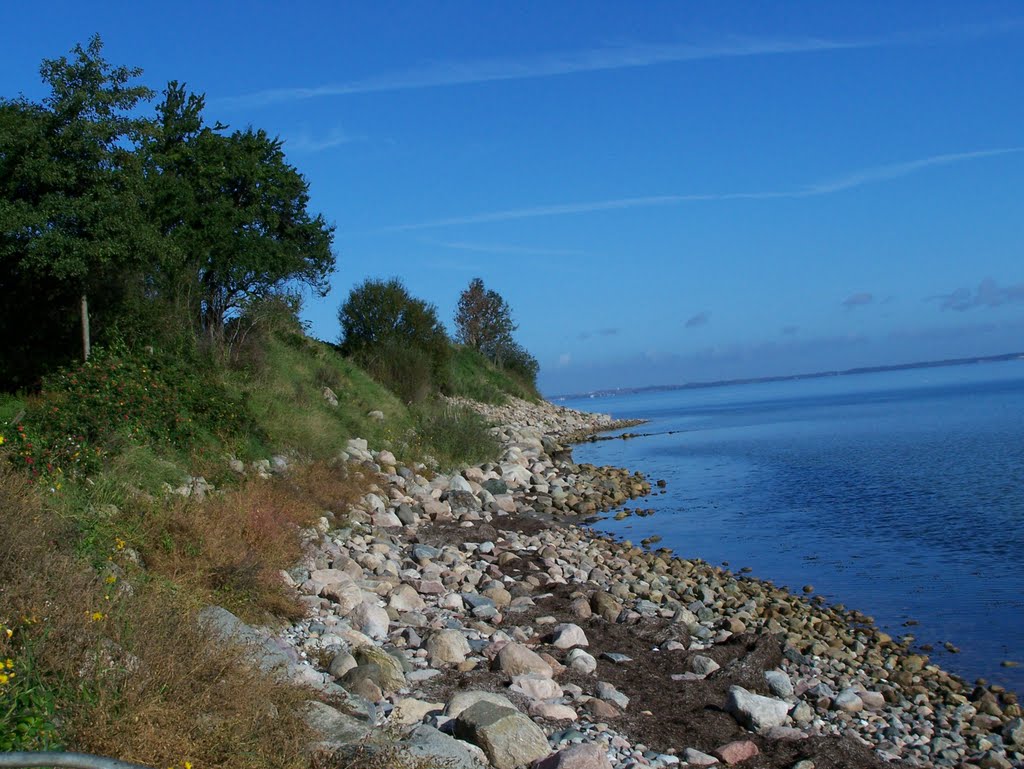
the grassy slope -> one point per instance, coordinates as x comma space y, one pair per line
473, 376
285, 394
225, 550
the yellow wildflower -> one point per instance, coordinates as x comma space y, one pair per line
119, 543
110, 580
3, 440
9, 664
4, 678
97, 616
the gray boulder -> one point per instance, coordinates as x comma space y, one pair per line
438, 748
755, 712
509, 738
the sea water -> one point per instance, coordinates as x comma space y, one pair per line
900, 494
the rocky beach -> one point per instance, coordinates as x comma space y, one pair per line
474, 620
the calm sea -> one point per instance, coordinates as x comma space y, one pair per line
900, 494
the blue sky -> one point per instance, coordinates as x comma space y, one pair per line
664, 192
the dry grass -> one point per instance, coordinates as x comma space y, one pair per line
231, 548
121, 662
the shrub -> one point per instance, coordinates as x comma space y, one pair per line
455, 435
406, 371
116, 399
231, 548
381, 322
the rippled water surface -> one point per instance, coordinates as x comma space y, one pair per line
900, 494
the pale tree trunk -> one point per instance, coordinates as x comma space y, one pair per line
85, 327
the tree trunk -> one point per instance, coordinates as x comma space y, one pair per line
85, 327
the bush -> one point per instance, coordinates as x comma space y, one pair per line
386, 330
406, 371
475, 377
455, 435
87, 413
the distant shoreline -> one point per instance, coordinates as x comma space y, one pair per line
793, 377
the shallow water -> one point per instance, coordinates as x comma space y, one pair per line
900, 494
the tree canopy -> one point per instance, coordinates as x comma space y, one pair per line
234, 211
107, 209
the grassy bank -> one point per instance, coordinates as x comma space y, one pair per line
104, 561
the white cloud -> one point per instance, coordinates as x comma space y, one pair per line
848, 181
439, 74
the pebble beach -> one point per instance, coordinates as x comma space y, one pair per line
475, 618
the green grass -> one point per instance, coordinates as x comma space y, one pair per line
453, 435
10, 407
285, 398
472, 376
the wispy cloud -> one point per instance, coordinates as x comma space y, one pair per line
988, 294
438, 74
831, 186
502, 248
896, 170
858, 300
790, 330
700, 319
305, 143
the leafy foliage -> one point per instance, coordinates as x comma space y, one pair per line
70, 219
483, 322
117, 399
152, 222
395, 335
483, 319
233, 210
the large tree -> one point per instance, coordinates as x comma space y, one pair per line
70, 218
234, 211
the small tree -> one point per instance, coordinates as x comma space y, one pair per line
483, 320
396, 336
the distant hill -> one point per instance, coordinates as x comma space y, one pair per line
793, 377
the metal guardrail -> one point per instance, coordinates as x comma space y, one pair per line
25, 760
